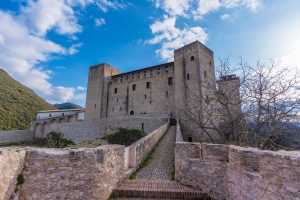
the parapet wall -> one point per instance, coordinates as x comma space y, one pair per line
88, 130
138, 151
14, 136
11, 165
232, 172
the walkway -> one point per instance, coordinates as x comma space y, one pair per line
161, 164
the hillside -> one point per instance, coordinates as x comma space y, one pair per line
18, 104
67, 105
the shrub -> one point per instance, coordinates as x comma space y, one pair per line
56, 139
125, 136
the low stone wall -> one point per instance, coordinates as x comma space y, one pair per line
88, 130
137, 152
232, 172
61, 174
11, 165
14, 136
179, 137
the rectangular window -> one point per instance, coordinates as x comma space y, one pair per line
205, 75
133, 87
148, 85
170, 81
187, 76
116, 90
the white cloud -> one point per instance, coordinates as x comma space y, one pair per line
100, 21
172, 38
81, 88
225, 17
173, 8
204, 7
24, 46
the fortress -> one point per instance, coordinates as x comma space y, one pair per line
157, 90
162, 90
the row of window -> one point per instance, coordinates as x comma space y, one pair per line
148, 85
139, 74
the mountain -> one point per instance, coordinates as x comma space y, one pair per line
67, 105
18, 104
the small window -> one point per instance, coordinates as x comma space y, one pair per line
63, 114
166, 93
192, 58
120, 109
142, 126
116, 90
133, 87
210, 63
190, 139
132, 112
145, 96
95, 106
132, 76
113, 109
187, 76
170, 81
117, 99
167, 69
205, 75
148, 85
145, 73
49, 115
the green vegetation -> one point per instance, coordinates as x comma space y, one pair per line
67, 105
18, 104
20, 179
125, 136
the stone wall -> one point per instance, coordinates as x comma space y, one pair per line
232, 172
14, 136
137, 152
72, 174
11, 165
88, 130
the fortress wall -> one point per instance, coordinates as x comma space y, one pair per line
72, 174
14, 136
11, 165
159, 98
138, 151
232, 172
88, 130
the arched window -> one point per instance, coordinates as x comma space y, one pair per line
132, 112
187, 76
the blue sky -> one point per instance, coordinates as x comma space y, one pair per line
48, 45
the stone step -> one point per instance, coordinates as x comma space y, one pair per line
156, 189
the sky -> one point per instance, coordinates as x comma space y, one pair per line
49, 45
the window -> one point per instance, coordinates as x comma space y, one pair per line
116, 90
190, 139
117, 99
132, 76
158, 70
49, 115
142, 126
148, 85
145, 73
133, 87
145, 96
167, 69
132, 112
192, 58
170, 81
151, 72
205, 75
95, 106
210, 63
187, 76
63, 114
166, 93
113, 109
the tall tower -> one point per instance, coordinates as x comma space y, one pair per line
97, 91
194, 76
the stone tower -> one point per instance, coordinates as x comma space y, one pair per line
194, 75
97, 91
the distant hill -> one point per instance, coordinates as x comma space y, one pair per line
18, 104
67, 105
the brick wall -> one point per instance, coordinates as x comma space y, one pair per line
232, 172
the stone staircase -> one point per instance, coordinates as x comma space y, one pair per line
155, 189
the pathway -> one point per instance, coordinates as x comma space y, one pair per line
161, 166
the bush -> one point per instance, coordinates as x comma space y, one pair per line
56, 139
125, 136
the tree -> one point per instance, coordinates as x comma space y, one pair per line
255, 109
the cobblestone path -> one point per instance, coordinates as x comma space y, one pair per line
161, 165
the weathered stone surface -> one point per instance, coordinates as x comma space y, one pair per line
72, 174
232, 172
14, 136
11, 165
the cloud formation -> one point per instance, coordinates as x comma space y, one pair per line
24, 46
170, 36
